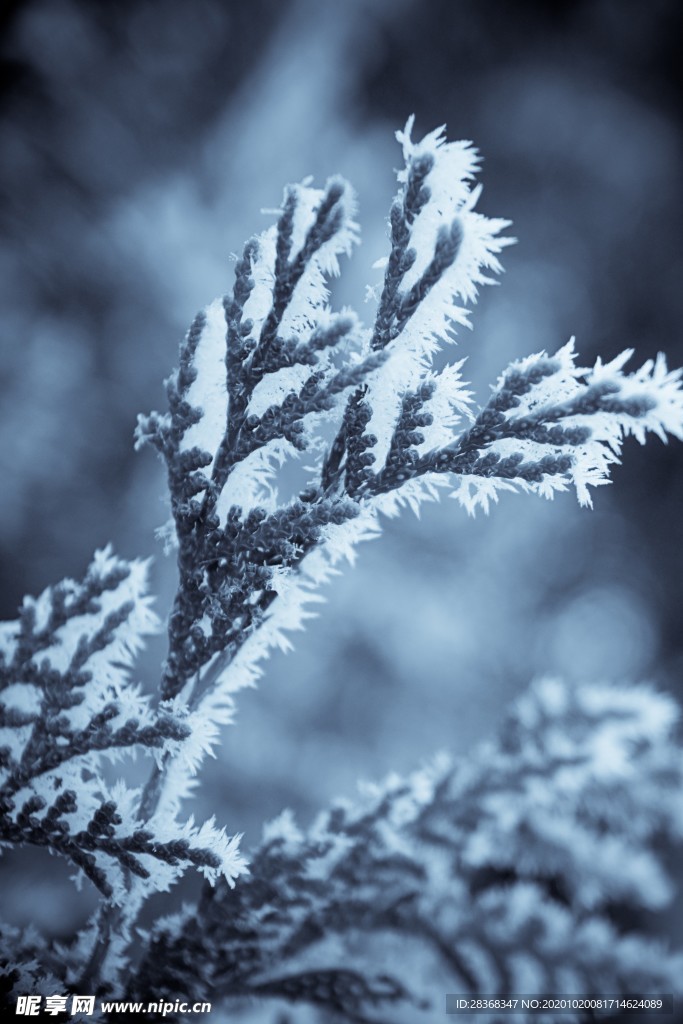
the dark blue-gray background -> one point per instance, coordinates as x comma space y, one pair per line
140, 140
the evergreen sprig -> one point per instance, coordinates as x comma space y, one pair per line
515, 870
287, 363
67, 703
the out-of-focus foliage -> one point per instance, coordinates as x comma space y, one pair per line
520, 869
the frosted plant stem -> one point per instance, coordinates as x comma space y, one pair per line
404, 426
115, 920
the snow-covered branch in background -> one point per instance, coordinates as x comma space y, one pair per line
483, 869
520, 869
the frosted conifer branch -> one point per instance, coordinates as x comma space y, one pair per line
550, 424
518, 870
502, 873
262, 372
277, 331
67, 702
287, 362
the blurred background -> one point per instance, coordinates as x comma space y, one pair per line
140, 142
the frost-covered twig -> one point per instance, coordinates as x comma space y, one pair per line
264, 372
268, 375
68, 702
68, 706
271, 372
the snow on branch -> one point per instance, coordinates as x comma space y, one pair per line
66, 704
499, 873
271, 372
550, 424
